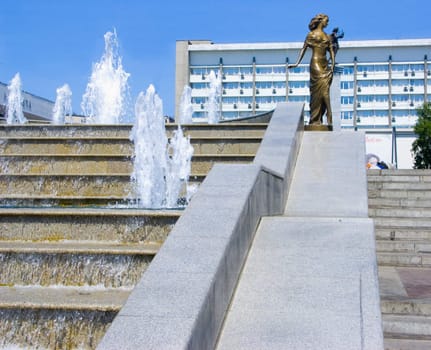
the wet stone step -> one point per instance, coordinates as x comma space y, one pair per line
123, 130
119, 146
80, 247
96, 164
22, 328
97, 298
86, 224
28, 186
111, 270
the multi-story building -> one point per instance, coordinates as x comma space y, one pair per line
36, 109
382, 83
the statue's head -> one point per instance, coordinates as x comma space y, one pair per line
316, 20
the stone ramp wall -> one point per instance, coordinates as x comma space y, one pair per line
181, 300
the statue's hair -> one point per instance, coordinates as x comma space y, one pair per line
316, 20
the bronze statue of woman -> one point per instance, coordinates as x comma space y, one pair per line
321, 69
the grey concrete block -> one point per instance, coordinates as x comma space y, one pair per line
330, 178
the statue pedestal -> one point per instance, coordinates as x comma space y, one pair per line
318, 127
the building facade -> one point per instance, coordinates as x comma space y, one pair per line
36, 109
382, 82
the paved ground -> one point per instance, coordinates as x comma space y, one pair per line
405, 281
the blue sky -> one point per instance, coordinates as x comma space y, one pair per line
53, 42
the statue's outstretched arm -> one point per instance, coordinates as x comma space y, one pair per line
300, 57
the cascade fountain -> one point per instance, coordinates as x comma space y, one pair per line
161, 168
214, 95
104, 100
186, 107
63, 104
15, 114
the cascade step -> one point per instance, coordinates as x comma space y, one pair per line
119, 145
96, 298
96, 164
104, 224
111, 269
58, 185
24, 328
79, 247
123, 130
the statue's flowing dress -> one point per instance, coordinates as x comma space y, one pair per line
320, 77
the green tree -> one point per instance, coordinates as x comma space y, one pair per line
422, 145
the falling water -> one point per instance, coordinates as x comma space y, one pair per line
186, 107
15, 114
213, 104
104, 100
63, 104
180, 164
160, 167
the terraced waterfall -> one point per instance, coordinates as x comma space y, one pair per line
71, 246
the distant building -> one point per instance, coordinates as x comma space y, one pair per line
382, 83
36, 109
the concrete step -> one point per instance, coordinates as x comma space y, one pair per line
397, 186
394, 246
400, 234
399, 194
406, 306
402, 223
423, 213
124, 225
422, 176
123, 130
102, 163
404, 259
119, 145
400, 203
398, 172
406, 344
400, 326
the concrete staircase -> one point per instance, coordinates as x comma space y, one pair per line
400, 203
71, 250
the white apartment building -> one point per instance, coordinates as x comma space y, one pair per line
382, 82
36, 109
